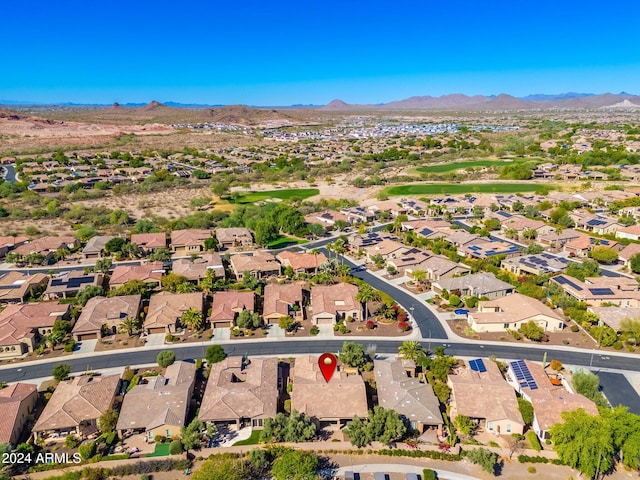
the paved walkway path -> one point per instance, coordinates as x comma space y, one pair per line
400, 468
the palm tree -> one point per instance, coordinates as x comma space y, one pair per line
130, 325
343, 270
367, 294
511, 233
419, 275
315, 252
339, 250
529, 234
411, 350
386, 311
192, 319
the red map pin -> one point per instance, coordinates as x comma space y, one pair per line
327, 363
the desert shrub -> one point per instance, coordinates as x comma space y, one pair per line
175, 448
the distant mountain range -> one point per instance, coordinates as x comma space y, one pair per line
451, 102
500, 102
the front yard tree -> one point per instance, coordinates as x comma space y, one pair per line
634, 263
604, 254
166, 358
357, 432
108, 421
366, 294
286, 323
131, 325
532, 331
411, 350
192, 319
86, 293
298, 427
248, 319
464, 425
220, 468
483, 457
103, 265
61, 372
353, 354
215, 354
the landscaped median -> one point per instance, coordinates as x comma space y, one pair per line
461, 188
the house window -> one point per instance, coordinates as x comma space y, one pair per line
150, 434
168, 432
491, 426
508, 428
506, 325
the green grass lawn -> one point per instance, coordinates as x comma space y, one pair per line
283, 242
449, 167
253, 197
162, 450
458, 188
252, 440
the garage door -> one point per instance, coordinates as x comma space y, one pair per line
325, 320
157, 330
87, 336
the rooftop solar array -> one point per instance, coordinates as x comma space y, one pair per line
72, 282
523, 375
562, 280
596, 222
601, 291
477, 365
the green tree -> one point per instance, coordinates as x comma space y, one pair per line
353, 354
103, 265
87, 450
604, 254
625, 427
385, 425
532, 331
286, 323
172, 282
588, 384
88, 292
483, 457
175, 447
192, 319
584, 442
215, 354
220, 468
464, 425
108, 421
295, 465
411, 350
114, 245
634, 263
192, 435
160, 255
132, 287
266, 231
367, 294
131, 325
357, 432
298, 427
248, 319
61, 372
166, 358
526, 410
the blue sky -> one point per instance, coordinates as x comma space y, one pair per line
308, 51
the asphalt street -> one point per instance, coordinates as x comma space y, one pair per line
618, 390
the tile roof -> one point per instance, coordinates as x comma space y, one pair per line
15, 285
278, 298
344, 396
19, 321
227, 304
11, 397
166, 308
302, 260
197, 269
149, 240
236, 390
100, 310
164, 400
190, 237
147, 272
512, 308
78, 400
334, 298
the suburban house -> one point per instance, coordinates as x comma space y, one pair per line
47, 246
481, 284
68, 284
227, 305
149, 242
104, 316
165, 310
438, 267
520, 224
511, 312
559, 239
95, 246
411, 398
190, 241
15, 287
335, 402
483, 249
302, 262
241, 392
630, 233
196, 269
17, 402
76, 406
160, 406
327, 218
614, 316
594, 291
332, 302
597, 224
407, 260
627, 252
149, 272
260, 265
357, 215
581, 246
550, 396
280, 301
234, 237
386, 206
387, 249
23, 325
539, 264
479, 391
8, 243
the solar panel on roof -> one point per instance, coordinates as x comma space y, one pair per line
565, 281
601, 291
